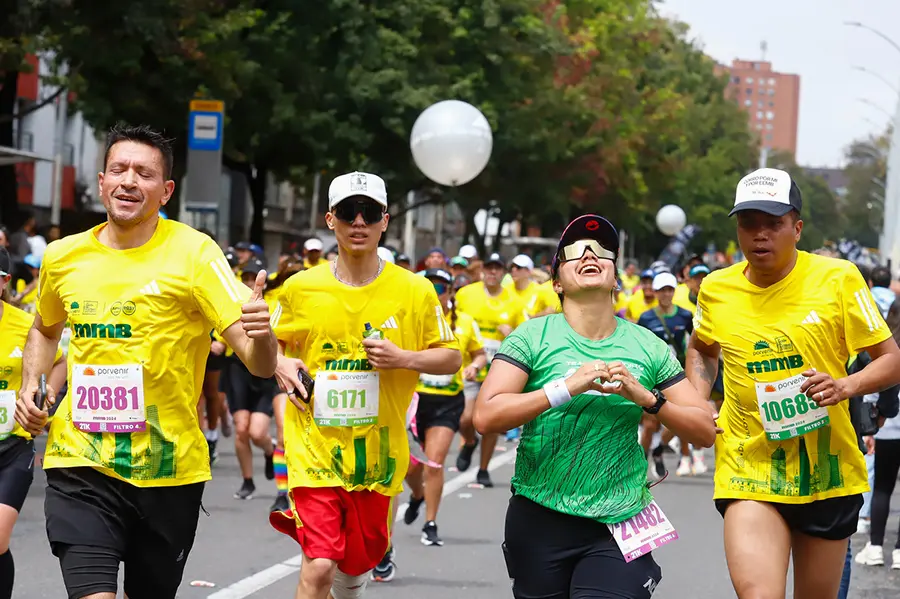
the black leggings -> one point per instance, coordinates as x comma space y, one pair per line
550, 555
887, 465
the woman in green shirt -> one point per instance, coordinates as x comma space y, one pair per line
582, 522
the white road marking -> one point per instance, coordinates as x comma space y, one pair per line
252, 584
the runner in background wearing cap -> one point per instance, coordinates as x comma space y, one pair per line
458, 266
441, 404
403, 261
435, 258
16, 445
673, 325
250, 399
692, 283
536, 299
579, 382
497, 311
364, 329
684, 291
312, 252
789, 474
642, 298
126, 466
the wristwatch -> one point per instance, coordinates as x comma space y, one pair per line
660, 400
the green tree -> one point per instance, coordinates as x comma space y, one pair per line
863, 204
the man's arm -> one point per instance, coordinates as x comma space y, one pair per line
702, 365
252, 337
437, 360
37, 359
881, 373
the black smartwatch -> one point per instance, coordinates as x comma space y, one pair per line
660, 400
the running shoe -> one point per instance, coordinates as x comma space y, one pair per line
464, 459
385, 570
246, 491
412, 509
871, 555
281, 504
270, 467
430, 536
484, 478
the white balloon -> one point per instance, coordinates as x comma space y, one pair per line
670, 219
451, 142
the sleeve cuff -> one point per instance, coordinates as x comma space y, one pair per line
671, 381
514, 362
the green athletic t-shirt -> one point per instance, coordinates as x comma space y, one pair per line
583, 458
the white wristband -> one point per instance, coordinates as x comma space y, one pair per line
557, 392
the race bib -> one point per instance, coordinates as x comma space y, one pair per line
345, 398
786, 412
642, 533
436, 381
7, 413
491, 347
108, 399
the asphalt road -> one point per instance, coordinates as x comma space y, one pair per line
243, 556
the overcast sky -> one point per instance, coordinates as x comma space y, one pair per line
808, 37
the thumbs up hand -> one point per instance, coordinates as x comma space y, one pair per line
255, 313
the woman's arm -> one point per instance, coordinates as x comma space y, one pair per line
501, 405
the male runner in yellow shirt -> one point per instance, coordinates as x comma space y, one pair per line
364, 329
126, 461
789, 473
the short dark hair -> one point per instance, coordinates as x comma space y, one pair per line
142, 134
881, 276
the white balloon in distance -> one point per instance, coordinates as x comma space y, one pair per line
670, 219
451, 142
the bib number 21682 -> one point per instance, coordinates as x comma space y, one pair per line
643, 532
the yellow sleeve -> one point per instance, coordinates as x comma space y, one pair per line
863, 324
49, 305
434, 329
475, 341
216, 292
702, 325
289, 324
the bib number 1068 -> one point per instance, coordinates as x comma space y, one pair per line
346, 398
107, 398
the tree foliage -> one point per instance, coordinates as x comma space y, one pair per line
863, 203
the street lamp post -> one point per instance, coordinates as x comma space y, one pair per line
888, 245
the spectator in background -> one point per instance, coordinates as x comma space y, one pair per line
403, 261
53, 233
880, 282
244, 253
435, 259
26, 293
312, 252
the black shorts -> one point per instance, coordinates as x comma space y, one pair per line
215, 363
834, 519
439, 410
16, 470
247, 392
552, 555
94, 522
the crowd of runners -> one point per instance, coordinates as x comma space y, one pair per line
139, 344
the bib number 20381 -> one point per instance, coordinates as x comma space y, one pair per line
345, 398
108, 399
642, 533
786, 412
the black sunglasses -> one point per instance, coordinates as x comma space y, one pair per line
372, 212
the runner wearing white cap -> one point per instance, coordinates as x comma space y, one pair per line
312, 252
538, 300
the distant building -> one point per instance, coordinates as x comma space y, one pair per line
771, 100
835, 177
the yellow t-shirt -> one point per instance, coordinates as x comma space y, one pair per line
682, 298
816, 317
469, 337
490, 312
28, 300
146, 310
14, 327
637, 305
552, 298
535, 297
322, 321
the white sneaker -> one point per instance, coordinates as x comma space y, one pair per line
863, 525
871, 555
700, 466
652, 476
684, 467
895, 559
675, 444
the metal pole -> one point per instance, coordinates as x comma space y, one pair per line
314, 205
62, 107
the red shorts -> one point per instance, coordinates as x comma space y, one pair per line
352, 528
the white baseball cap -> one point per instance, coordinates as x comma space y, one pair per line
768, 190
385, 254
523, 261
357, 184
468, 252
663, 280
313, 245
